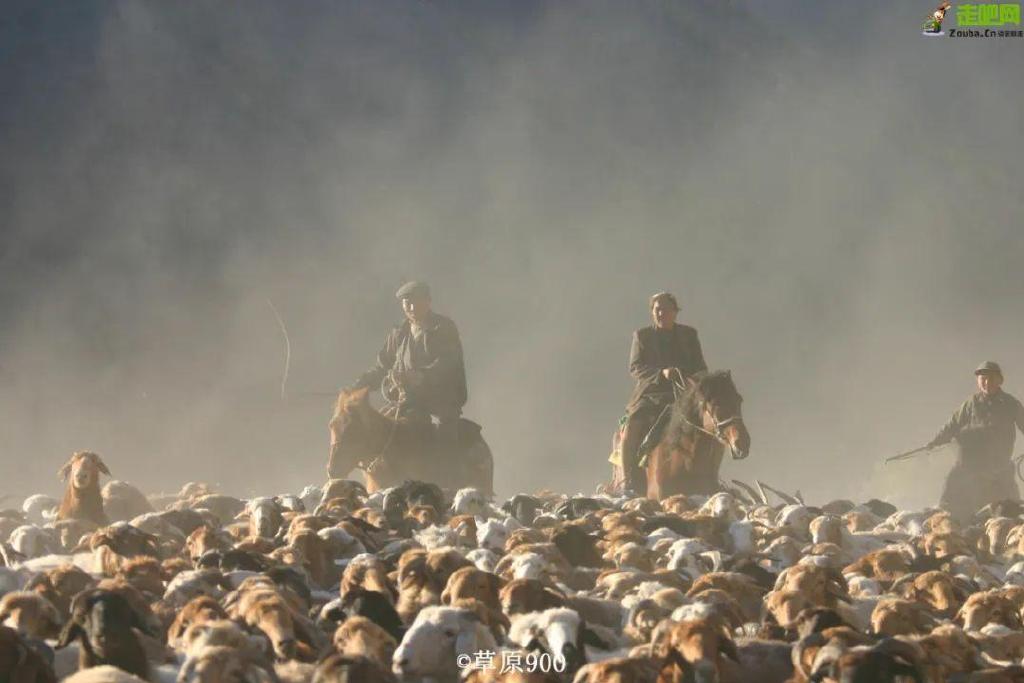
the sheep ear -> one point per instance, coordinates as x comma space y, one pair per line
65, 471
102, 466
71, 632
446, 597
728, 648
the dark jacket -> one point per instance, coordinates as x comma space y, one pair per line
438, 356
651, 353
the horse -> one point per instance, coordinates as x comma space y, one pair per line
391, 450
704, 420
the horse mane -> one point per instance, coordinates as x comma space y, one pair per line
686, 408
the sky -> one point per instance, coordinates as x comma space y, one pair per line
833, 197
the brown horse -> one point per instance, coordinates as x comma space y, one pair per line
390, 450
705, 419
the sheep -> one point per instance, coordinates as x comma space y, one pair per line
368, 573
199, 610
341, 668
621, 670
520, 596
219, 664
470, 582
470, 501
33, 541
437, 639
265, 517
103, 674
560, 632
30, 614
20, 662
376, 607
122, 501
102, 622
358, 636
40, 508
82, 498
60, 585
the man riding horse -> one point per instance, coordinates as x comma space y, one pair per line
420, 370
661, 354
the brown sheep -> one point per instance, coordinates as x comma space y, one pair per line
470, 582
821, 586
266, 609
200, 610
702, 644
20, 663
60, 586
144, 573
30, 614
205, 539
620, 670
521, 596
82, 498
898, 617
422, 577
938, 590
885, 564
367, 574
219, 663
341, 668
358, 636
986, 608
741, 587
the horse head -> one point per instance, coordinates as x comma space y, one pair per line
721, 410
351, 431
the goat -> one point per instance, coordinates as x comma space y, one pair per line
82, 497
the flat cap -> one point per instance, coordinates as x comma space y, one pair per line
410, 288
989, 367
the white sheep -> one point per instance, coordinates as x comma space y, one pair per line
32, 541
436, 536
491, 534
40, 509
484, 559
470, 501
438, 639
311, 496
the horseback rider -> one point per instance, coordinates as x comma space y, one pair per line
657, 353
420, 370
985, 428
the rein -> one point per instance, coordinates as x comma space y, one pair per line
678, 387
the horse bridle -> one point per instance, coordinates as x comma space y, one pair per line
719, 425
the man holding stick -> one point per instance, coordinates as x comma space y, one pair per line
985, 428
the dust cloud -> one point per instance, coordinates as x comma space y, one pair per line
834, 198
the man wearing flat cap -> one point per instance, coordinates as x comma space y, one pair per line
984, 427
657, 352
420, 370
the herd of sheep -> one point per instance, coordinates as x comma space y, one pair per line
417, 584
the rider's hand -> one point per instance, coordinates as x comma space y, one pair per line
667, 372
